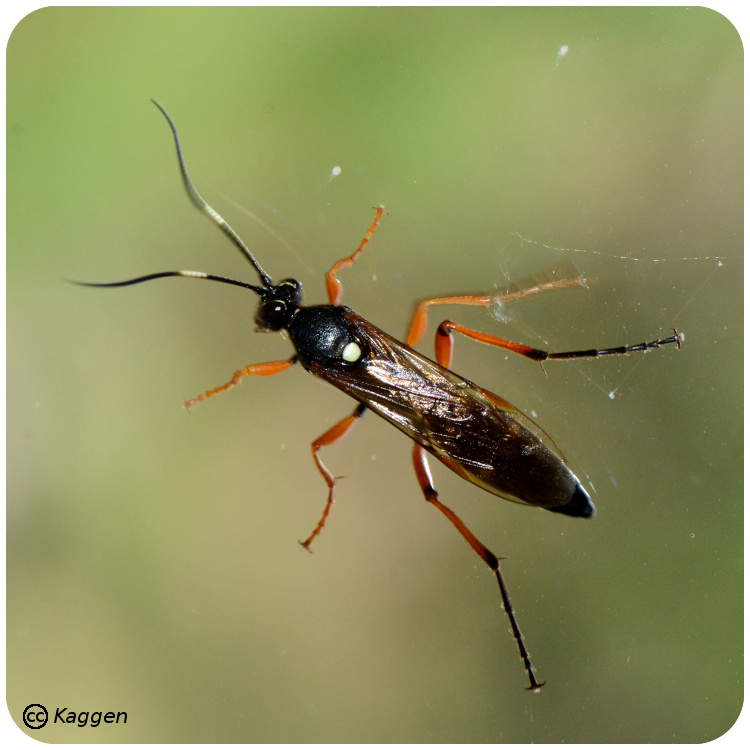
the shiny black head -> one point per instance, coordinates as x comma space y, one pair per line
278, 304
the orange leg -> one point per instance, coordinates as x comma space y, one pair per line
430, 494
333, 285
338, 431
444, 340
264, 368
418, 325
444, 345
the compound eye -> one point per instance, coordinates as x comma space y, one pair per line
272, 315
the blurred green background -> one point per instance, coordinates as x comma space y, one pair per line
152, 556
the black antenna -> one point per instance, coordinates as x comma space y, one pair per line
215, 217
260, 291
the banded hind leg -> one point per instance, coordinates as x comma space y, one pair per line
444, 354
424, 477
444, 342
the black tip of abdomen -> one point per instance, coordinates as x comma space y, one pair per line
579, 505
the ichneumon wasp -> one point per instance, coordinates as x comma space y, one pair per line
478, 435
